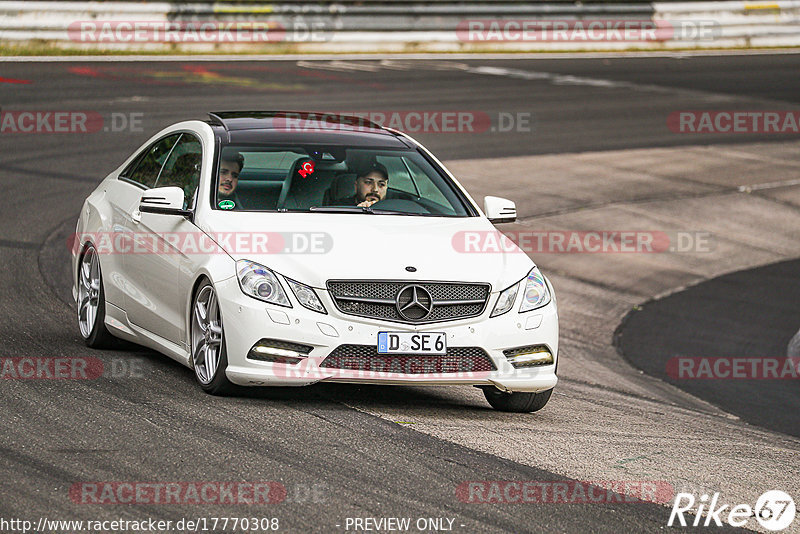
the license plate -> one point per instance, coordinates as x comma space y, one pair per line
412, 343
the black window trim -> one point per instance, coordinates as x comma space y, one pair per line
132, 182
134, 164
155, 184
199, 139
136, 160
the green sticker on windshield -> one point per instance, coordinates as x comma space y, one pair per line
226, 204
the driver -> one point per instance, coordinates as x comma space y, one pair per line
370, 186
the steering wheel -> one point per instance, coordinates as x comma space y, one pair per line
400, 205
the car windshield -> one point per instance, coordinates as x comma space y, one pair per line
333, 179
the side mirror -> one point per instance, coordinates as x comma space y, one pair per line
164, 201
499, 210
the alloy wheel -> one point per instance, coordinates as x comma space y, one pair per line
88, 291
206, 334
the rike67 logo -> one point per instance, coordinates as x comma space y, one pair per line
774, 509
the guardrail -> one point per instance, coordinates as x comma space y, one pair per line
389, 25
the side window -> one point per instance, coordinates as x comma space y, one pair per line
150, 163
182, 168
128, 171
398, 174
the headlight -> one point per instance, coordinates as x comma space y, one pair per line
259, 282
536, 292
505, 301
306, 296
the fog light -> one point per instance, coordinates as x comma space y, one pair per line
530, 356
278, 351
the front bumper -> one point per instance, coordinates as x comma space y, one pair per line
247, 320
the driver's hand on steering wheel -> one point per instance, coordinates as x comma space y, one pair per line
367, 203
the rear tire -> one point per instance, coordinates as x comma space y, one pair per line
92, 301
209, 355
519, 402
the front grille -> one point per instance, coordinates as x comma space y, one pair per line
366, 358
378, 300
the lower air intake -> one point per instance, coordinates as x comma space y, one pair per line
367, 358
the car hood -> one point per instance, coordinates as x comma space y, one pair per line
315, 247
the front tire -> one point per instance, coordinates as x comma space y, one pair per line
209, 356
519, 402
92, 301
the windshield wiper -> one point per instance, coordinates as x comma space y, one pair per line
342, 209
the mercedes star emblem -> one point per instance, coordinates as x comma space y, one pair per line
414, 303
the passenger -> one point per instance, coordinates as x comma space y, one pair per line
230, 166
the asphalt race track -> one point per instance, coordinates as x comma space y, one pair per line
590, 149
756, 317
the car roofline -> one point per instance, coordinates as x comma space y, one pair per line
260, 119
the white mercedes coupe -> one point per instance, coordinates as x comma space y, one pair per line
286, 249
